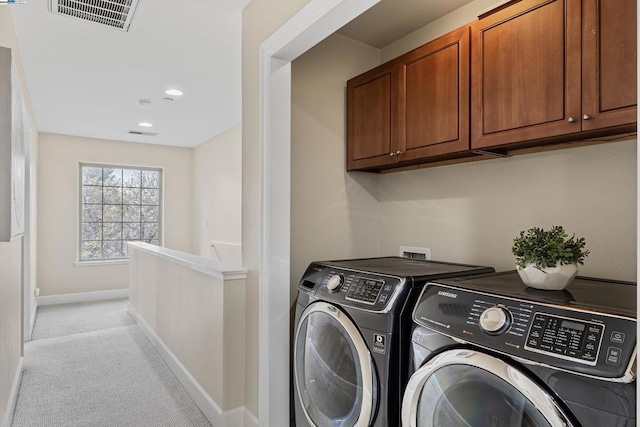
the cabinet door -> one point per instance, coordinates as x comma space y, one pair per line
525, 73
372, 117
609, 63
434, 118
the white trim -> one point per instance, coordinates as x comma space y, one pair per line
101, 263
216, 416
250, 420
207, 266
13, 396
82, 297
316, 21
32, 319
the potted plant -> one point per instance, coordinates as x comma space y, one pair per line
548, 259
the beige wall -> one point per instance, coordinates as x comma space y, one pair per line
10, 317
58, 207
259, 20
334, 214
217, 197
11, 253
471, 212
198, 316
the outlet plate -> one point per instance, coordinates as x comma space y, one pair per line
415, 252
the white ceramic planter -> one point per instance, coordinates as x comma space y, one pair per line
551, 279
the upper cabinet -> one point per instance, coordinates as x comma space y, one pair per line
543, 69
411, 108
434, 105
609, 58
372, 117
530, 73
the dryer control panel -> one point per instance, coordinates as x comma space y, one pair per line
362, 290
588, 342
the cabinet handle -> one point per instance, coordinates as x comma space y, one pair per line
571, 119
398, 152
586, 117
392, 154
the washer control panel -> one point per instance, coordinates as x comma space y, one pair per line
364, 290
570, 337
354, 289
588, 342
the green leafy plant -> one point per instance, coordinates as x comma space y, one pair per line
545, 248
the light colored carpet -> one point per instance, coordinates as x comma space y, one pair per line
69, 319
104, 378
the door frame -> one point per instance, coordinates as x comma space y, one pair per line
313, 23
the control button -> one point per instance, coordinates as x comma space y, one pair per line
494, 320
383, 298
614, 354
617, 337
334, 283
592, 337
590, 346
388, 288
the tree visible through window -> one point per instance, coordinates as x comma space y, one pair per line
118, 205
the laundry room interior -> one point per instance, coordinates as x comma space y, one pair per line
344, 205
467, 212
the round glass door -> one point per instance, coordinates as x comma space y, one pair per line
464, 388
333, 369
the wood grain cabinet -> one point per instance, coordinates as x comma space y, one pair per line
372, 117
552, 68
412, 108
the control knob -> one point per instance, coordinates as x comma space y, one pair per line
334, 283
495, 320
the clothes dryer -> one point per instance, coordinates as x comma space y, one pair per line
352, 338
490, 351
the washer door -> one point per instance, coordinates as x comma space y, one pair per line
468, 388
333, 369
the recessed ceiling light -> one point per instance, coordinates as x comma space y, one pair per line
174, 92
145, 124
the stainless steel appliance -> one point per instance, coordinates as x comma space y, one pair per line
489, 351
352, 338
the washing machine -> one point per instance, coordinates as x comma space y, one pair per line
352, 338
490, 351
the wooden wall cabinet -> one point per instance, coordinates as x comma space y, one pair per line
544, 69
532, 73
412, 108
372, 117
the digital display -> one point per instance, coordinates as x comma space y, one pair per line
565, 338
365, 290
572, 325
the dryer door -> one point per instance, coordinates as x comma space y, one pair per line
333, 369
469, 388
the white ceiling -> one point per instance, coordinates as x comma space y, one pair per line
391, 20
85, 78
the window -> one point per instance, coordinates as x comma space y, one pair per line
118, 205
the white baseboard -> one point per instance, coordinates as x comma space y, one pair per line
233, 418
13, 396
250, 420
82, 297
32, 320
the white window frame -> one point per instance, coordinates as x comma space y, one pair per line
105, 261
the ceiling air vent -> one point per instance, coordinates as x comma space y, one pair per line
113, 13
139, 132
